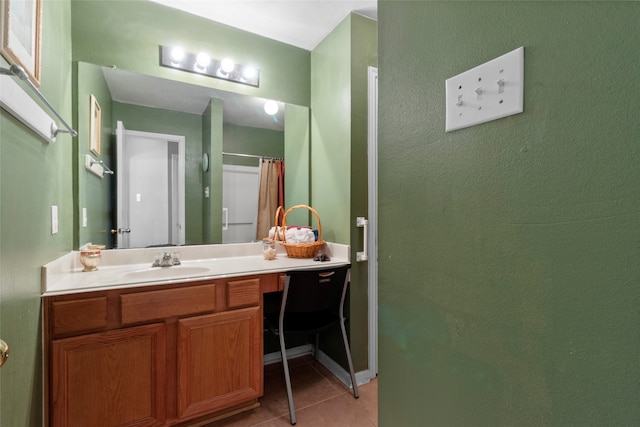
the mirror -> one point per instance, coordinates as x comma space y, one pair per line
151, 104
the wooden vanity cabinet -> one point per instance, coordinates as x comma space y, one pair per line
154, 356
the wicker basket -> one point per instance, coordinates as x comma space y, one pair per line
298, 250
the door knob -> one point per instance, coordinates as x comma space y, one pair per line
4, 352
120, 230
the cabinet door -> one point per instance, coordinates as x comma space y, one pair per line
220, 361
114, 378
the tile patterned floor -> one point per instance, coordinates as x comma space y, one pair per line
321, 400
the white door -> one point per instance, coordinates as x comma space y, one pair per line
240, 186
150, 187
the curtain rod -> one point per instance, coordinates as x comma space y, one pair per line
251, 155
18, 71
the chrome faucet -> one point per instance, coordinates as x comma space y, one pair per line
167, 260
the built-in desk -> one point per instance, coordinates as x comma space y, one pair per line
131, 345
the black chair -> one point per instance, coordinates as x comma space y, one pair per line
312, 302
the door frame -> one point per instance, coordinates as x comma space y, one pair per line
372, 242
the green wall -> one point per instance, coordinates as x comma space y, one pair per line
212, 143
250, 140
93, 192
297, 152
34, 175
339, 67
508, 251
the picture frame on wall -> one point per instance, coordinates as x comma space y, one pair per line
95, 126
20, 35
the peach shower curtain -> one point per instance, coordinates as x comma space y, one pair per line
271, 195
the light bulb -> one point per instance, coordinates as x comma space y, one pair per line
271, 107
177, 55
202, 61
227, 65
249, 72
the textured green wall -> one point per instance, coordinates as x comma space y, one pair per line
212, 143
128, 34
250, 140
331, 132
33, 176
509, 251
94, 193
297, 152
339, 155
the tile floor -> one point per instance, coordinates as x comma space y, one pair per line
321, 400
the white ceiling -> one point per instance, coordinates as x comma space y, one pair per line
301, 23
156, 92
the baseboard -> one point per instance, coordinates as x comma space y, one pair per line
362, 377
292, 353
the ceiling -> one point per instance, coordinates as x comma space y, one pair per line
301, 23
150, 91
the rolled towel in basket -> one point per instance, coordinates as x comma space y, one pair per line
272, 232
300, 235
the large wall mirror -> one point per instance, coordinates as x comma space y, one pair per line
224, 137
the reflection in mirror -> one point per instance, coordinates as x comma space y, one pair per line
210, 121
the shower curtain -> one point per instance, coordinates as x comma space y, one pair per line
271, 195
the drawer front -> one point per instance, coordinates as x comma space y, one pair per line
243, 293
81, 315
272, 283
167, 303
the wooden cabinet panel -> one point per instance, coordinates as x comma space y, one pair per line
161, 304
114, 378
82, 315
243, 293
272, 283
220, 361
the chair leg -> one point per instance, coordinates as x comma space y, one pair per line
285, 364
354, 384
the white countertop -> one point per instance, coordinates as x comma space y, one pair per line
132, 267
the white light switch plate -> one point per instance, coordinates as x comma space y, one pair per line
487, 92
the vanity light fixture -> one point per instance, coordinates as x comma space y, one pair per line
202, 63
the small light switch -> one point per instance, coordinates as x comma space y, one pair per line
84, 217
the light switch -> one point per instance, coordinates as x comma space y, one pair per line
84, 217
54, 219
487, 92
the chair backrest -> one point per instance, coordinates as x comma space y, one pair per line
316, 290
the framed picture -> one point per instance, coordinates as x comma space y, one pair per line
94, 126
20, 35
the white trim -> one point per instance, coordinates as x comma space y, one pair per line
372, 158
338, 371
292, 353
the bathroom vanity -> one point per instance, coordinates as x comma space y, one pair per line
140, 346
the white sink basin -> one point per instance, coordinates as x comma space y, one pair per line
160, 273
